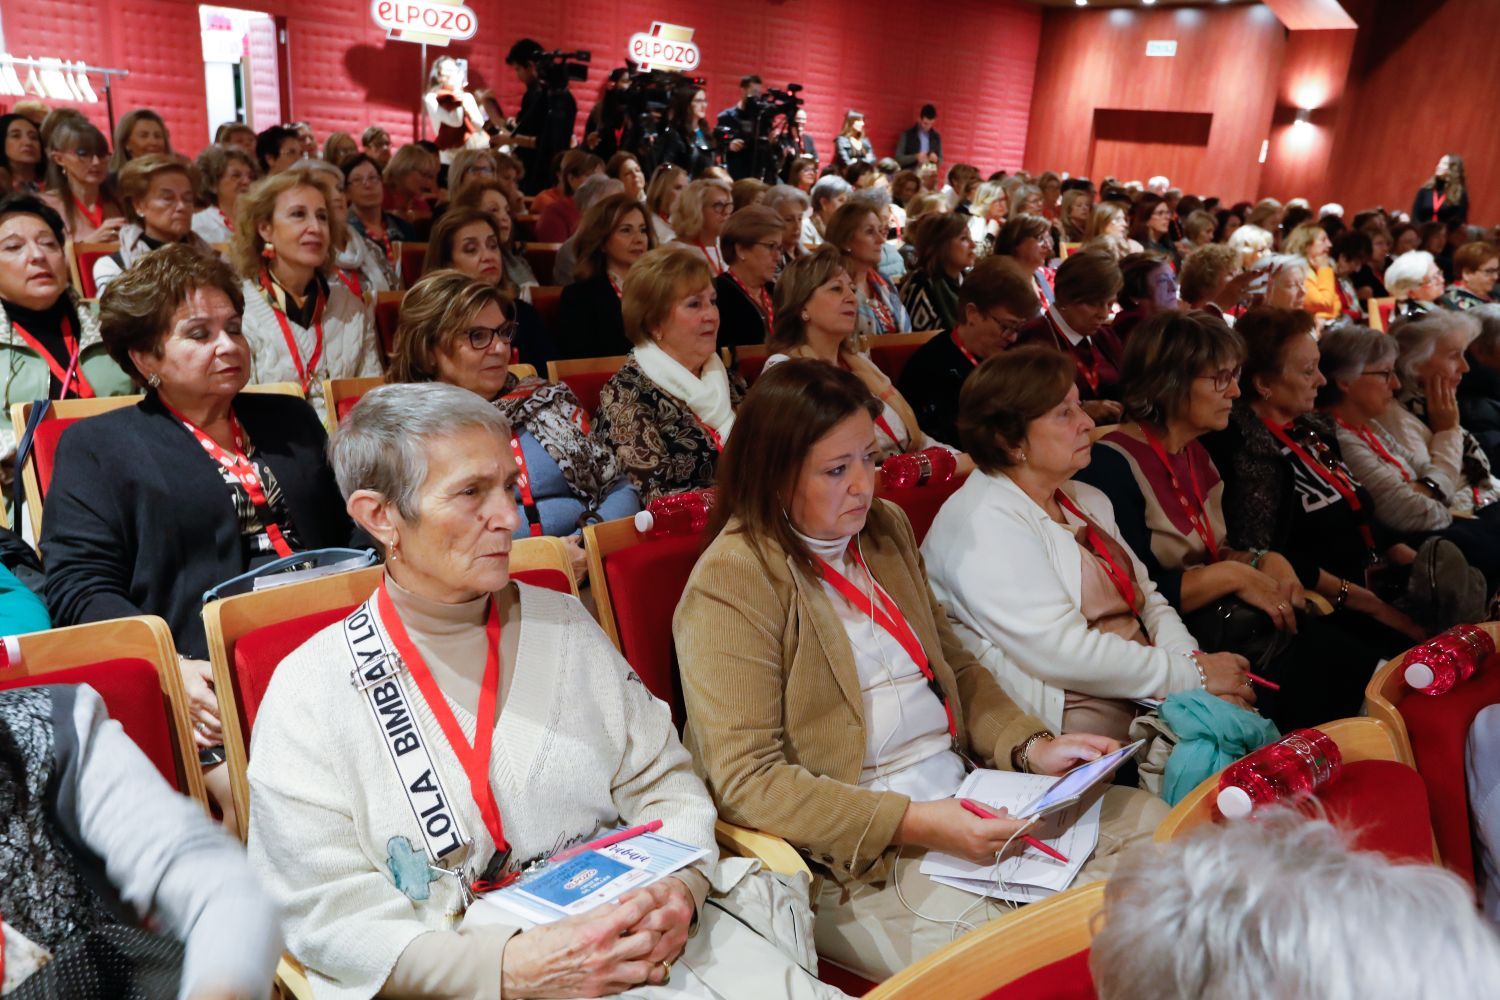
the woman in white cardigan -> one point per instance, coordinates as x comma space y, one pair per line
493, 727
1032, 568
303, 323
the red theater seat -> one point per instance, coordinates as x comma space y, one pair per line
387, 317
547, 299
585, 376
411, 257
85, 256
36, 475
891, 351
543, 260
921, 503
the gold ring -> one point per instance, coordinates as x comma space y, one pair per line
666, 972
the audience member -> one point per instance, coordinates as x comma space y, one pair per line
793, 206
626, 169
1027, 240
615, 234
1212, 280
338, 147
224, 173
774, 616
277, 148
1477, 266
826, 197
410, 187
1350, 254
78, 184
1445, 196
994, 302
1077, 323
490, 198
752, 242
945, 251
590, 192
851, 145
698, 216
367, 216
558, 215
1479, 389
1073, 214
21, 154
139, 133
670, 407
375, 142
1148, 286
1320, 287
1110, 219
1286, 283
667, 182
1416, 282
159, 192
1151, 227
858, 232
469, 240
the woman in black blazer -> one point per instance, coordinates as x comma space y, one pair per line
153, 504
751, 240
613, 235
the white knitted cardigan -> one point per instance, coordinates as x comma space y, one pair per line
580, 745
350, 347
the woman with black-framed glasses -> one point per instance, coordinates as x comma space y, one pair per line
470, 240
459, 330
78, 184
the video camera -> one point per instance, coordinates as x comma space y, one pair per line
641, 108
556, 68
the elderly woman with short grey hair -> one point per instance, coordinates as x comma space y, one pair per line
370, 836
826, 197
1416, 282
792, 205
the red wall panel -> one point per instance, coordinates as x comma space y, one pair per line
1225, 66
978, 69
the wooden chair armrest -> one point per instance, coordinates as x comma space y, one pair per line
1318, 604
773, 852
291, 979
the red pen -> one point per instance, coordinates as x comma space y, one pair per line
608, 840
983, 813
1269, 685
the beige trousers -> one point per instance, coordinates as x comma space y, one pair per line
869, 930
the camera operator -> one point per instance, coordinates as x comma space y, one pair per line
606, 126
685, 141
739, 122
544, 125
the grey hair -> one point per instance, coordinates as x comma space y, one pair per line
1408, 271
382, 444
1343, 353
1488, 341
596, 187
828, 186
877, 198
1282, 907
1333, 209
782, 194
1417, 339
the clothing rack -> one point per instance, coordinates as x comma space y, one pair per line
59, 80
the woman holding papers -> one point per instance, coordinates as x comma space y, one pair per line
373, 814
828, 701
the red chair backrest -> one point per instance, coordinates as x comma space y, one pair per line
1066, 979
891, 358
750, 368
586, 386
1386, 309
645, 583
1438, 728
547, 299
387, 316
412, 257
131, 690
342, 406
44, 446
86, 261
921, 503
543, 261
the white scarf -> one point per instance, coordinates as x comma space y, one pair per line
707, 395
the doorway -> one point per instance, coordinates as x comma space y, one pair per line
241, 56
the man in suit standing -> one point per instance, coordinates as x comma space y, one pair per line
921, 143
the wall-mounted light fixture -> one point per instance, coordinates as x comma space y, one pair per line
1303, 118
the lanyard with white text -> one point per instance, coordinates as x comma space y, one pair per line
523, 485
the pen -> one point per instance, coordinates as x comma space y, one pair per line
1269, 685
983, 813
608, 840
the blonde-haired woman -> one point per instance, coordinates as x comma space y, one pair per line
670, 407
852, 145
1110, 218
667, 183
1073, 215
139, 133
302, 326
1320, 288
817, 311
1252, 243
987, 213
698, 216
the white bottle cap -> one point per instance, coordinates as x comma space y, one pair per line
644, 521
1234, 802
12, 649
1419, 675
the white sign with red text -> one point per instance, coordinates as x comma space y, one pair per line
665, 46
433, 22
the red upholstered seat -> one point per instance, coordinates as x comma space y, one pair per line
836, 975
413, 255
891, 358
921, 503
1066, 979
258, 653
547, 299
1383, 803
586, 386
86, 261
44, 446
1386, 309
132, 692
342, 407
750, 368
645, 582
387, 316
1438, 728
543, 260
551, 579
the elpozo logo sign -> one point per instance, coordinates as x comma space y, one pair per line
665, 46
431, 22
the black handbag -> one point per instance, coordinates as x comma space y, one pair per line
1229, 625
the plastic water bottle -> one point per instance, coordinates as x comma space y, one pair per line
678, 514
1438, 664
1287, 771
10, 651
934, 465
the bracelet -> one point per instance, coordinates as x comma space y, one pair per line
1192, 656
1020, 757
1256, 555
1338, 602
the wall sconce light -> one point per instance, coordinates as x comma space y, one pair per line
1303, 118
1081, 3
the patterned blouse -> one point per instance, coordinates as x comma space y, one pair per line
660, 443
931, 302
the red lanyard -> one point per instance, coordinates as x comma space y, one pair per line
714, 437
1340, 482
1197, 514
69, 376
305, 372
765, 298
964, 350
1089, 371
619, 292
242, 469
1437, 202
96, 217
228, 222
884, 317
351, 283
713, 265
523, 484
1124, 582
890, 618
383, 237
1368, 437
475, 759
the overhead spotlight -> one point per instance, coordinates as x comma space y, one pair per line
1081, 3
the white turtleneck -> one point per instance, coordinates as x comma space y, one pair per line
907, 747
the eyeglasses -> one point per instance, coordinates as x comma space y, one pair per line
1009, 325
88, 154
1384, 374
1223, 378
770, 245
722, 207
481, 337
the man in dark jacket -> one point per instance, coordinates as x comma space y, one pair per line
921, 143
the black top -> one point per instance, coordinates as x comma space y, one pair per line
46, 325
930, 382
590, 320
690, 152
1479, 407
548, 117
741, 321
1099, 353
1452, 212
909, 145
741, 124
140, 521
533, 341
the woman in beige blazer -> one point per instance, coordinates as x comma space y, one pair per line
828, 701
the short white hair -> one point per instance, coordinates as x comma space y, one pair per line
1298, 203
1282, 907
1248, 237
1417, 339
1158, 184
1331, 210
1408, 271
784, 194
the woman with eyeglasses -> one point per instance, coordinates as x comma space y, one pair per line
365, 191
698, 217
160, 193
470, 240
1148, 286
1179, 379
1416, 282
78, 185
752, 240
687, 141
458, 330
1477, 265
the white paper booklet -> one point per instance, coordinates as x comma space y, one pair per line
583, 882
1031, 875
